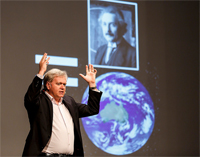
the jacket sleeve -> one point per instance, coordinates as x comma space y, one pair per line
33, 92
92, 106
133, 58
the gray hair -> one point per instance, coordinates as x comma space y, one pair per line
120, 17
51, 74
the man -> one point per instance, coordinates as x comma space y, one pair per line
117, 52
54, 116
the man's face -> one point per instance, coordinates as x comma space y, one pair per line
57, 87
110, 27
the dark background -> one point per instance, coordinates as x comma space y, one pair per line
169, 67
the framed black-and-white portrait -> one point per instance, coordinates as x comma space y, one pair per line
113, 35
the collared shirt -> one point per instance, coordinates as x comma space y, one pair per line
110, 49
62, 137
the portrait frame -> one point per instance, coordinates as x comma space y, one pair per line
95, 36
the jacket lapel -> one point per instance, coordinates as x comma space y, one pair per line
101, 54
69, 106
117, 58
50, 106
71, 109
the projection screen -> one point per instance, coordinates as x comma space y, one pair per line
149, 80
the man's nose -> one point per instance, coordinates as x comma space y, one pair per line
62, 86
108, 28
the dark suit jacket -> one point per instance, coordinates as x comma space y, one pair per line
124, 55
40, 113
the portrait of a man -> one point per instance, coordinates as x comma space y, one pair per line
113, 37
117, 51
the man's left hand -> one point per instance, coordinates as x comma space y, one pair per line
90, 75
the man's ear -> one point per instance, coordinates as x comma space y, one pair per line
48, 85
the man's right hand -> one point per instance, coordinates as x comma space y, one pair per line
43, 64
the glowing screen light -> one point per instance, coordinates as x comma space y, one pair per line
126, 118
62, 61
58, 60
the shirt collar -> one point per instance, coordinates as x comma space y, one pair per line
114, 44
52, 99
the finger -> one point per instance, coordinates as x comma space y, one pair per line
44, 57
90, 68
82, 76
86, 69
95, 71
47, 60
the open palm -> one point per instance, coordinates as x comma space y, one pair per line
90, 75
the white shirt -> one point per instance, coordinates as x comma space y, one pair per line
62, 137
111, 48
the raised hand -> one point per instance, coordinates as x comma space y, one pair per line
90, 76
43, 64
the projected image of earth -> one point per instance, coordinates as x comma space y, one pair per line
126, 118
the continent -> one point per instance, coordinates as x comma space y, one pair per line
114, 112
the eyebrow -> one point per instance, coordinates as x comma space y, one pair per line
61, 83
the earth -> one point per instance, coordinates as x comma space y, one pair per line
126, 117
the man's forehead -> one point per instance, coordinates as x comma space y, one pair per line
60, 79
109, 17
